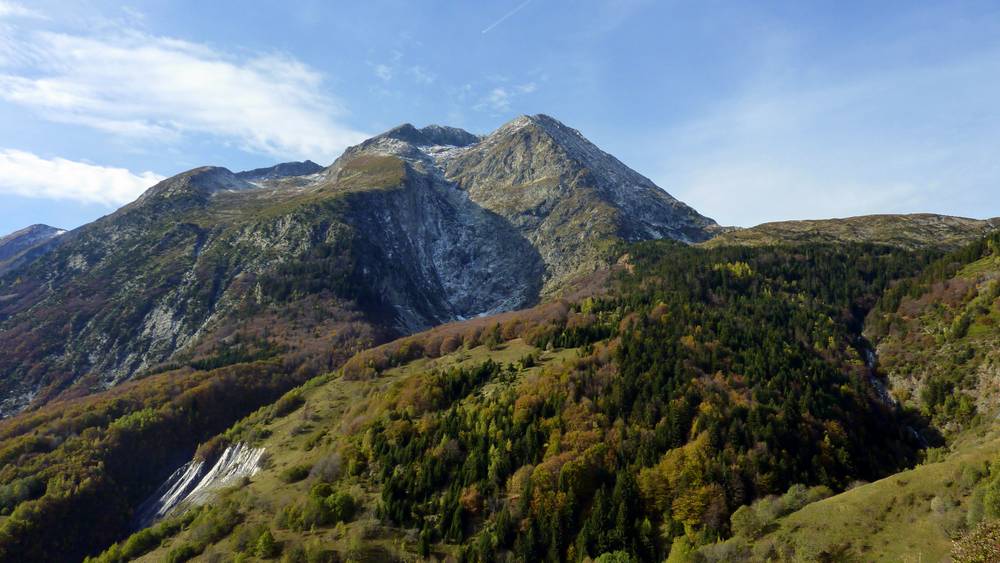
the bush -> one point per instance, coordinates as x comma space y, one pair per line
183, 553
140, 543
287, 403
266, 546
318, 511
615, 557
746, 523
680, 550
735, 549
294, 554
342, 506
329, 468
295, 473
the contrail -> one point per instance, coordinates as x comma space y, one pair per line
509, 14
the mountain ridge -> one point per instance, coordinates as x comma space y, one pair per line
910, 231
391, 238
18, 246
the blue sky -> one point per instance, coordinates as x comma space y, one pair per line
749, 111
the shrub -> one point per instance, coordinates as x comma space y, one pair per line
615, 557
183, 553
140, 543
266, 546
329, 468
342, 506
287, 403
746, 523
295, 473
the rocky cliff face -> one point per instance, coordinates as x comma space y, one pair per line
283, 170
409, 229
25, 244
564, 194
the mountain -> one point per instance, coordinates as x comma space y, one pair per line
506, 347
409, 229
905, 231
21, 245
563, 193
283, 170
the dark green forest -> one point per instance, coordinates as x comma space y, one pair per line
708, 379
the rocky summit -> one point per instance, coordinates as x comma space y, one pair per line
21, 245
409, 229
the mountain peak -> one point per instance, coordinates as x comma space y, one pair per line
282, 170
21, 242
200, 182
546, 122
429, 135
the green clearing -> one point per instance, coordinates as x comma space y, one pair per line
906, 517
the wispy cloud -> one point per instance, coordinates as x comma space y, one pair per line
384, 72
421, 74
499, 98
504, 18
28, 175
13, 9
917, 138
159, 88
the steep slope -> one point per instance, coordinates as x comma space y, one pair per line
913, 515
21, 245
128, 291
938, 337
407, 230
635, 417
563, 193
905, 231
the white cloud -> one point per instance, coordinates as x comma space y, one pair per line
422, 75
499, 99
158, 88
28, 175
13, 9
383, 72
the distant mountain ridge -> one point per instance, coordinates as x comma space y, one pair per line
283, 170
904, 231
409, 229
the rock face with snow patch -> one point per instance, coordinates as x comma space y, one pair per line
195, 482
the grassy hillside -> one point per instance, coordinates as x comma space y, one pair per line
911, 516
904, 231
327, 411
